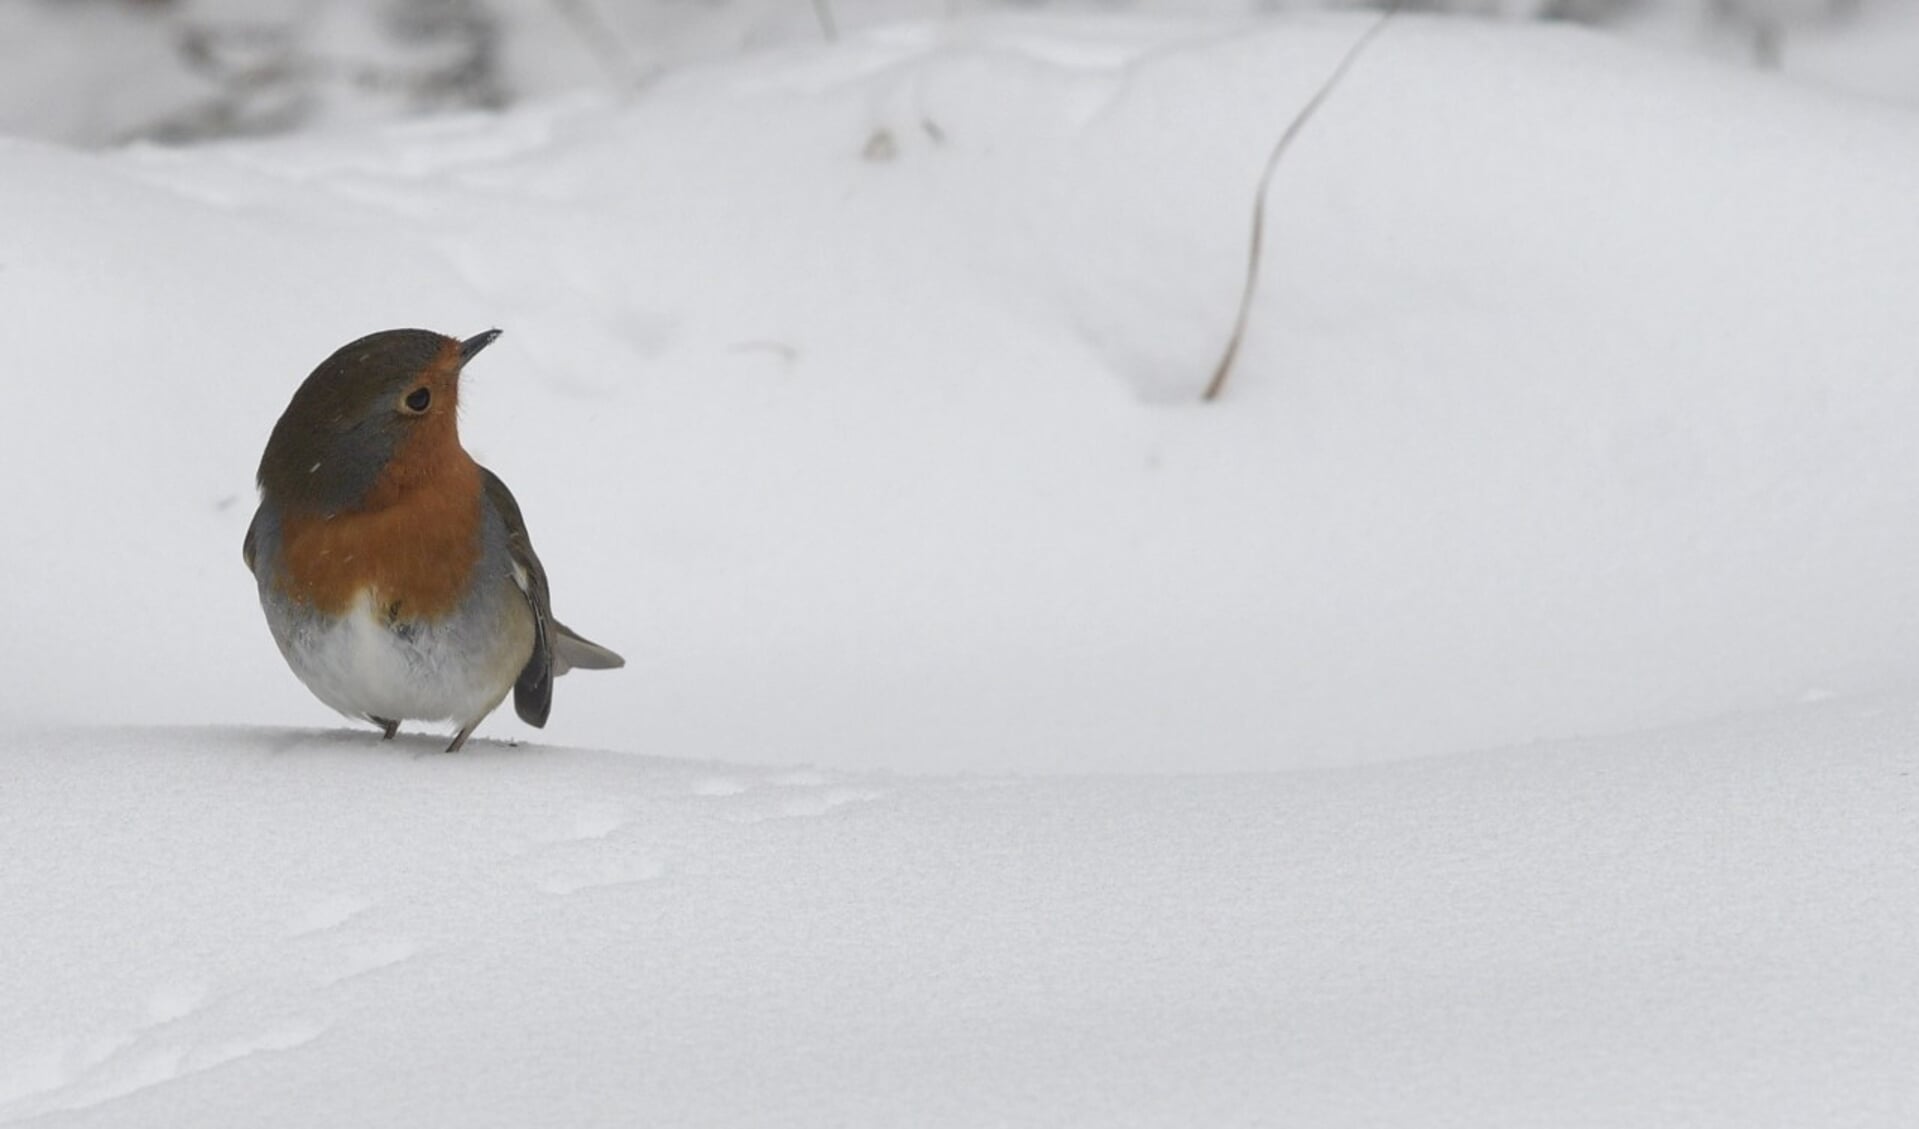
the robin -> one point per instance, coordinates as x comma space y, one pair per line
395, 571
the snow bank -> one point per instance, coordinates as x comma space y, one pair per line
1710, 927
850, 394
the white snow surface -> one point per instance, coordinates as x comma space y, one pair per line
851, 392
1577, 400
1708, 927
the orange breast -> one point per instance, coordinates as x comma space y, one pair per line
413, 543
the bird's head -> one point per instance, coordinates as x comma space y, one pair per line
388, 400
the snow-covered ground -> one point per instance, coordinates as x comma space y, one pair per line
852, 393
1708, 927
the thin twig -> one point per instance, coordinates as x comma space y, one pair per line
1256, 247
601, 38
824, 10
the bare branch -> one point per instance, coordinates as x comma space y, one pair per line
601, 38
824, 10
1255, 248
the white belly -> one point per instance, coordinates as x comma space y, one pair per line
457, 669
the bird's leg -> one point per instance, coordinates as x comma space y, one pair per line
460, 737
387, 728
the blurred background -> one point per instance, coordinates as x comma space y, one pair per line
179, 72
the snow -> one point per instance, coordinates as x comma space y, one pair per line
906, 454
106, 72
1493, 711
1706, 927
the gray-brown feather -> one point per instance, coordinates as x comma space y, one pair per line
556, 648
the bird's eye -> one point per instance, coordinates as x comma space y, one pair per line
417, 400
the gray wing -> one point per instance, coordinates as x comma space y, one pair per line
556, 647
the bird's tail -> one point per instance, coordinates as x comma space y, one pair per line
571, 649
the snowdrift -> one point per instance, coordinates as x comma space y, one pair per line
1706, 927
851, 394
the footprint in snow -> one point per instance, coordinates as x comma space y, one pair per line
178, 1038
797, 803
600, 872
594, 821
801, 794
368, 956
329, 912
587, 853
172, 1002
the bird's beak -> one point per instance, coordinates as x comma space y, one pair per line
471, 347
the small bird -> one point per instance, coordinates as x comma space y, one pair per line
396, 572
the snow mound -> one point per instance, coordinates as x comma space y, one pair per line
850, 393
1706, 927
